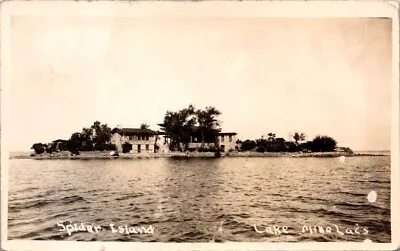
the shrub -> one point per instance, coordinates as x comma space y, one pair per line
39, 148
292, 147
248, 145
213, 149
323, 144
281, 147
100, 146
76, 152
306, 147
261, 149
49, 150
111, 147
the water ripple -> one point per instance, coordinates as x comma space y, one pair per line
200, 200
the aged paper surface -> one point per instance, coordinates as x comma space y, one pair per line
298, 151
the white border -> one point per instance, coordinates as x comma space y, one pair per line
200, 9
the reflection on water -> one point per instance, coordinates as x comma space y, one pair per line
201, 200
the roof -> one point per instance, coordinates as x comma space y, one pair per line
59, 140
196, 129
130, 131
228, 133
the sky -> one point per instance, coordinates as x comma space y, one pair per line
317, 76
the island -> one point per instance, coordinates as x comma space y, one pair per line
189, 132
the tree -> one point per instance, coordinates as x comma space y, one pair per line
248, 145
299, 137
187, 120
323, 144
181, 125
88, 136
271, 136
101, 136
76, 143
178, 126
144, 126
208, 123
262, 145
292, 147
39, 148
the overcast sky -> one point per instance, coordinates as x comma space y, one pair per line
317, 76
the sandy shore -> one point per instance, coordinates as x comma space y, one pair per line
106, 155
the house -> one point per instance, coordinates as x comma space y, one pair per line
225, 140
59, 145
134, 140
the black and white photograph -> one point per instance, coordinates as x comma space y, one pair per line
161, 122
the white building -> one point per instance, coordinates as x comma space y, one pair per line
134, 140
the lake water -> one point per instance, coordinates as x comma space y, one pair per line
201, 200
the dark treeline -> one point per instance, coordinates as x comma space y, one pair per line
182, 124
180, 127
94, 138
273, 144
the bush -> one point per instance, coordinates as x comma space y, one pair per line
261, 149
76, 152
213, 149
88, 147
39, 148
49, 150
347, 150
100, 146
192, 149
306, 147
323, 144
248, 145
111, 147
277, 147
292, 147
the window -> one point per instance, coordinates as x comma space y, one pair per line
147, 137
130, 137
139, 137
147, 147
230, 138
222, 138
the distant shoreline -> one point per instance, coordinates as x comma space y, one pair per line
106, 155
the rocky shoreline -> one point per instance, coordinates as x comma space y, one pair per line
106, 155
